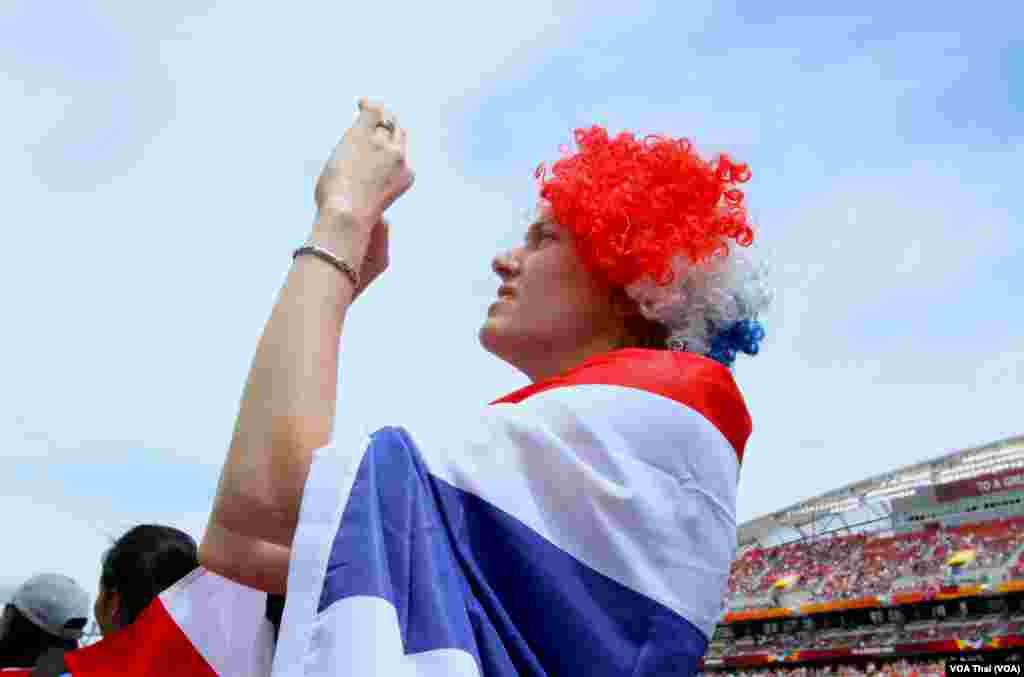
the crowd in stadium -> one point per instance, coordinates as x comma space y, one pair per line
851, 566
900, 668
876, 636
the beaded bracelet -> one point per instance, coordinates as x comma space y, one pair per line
331, 259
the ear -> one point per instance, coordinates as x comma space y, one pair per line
624, 307
114, 606
638, 331
625, 314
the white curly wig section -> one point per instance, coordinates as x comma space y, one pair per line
707, 298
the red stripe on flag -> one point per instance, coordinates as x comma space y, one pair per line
154, 645
698, 382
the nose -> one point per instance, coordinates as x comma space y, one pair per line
505, 265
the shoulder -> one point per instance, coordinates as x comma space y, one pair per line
672, 374
694, 381
702, 384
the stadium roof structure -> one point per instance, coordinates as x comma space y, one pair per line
873, 496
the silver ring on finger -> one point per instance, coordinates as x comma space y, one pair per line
388, 125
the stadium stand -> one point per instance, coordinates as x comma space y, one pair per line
899, 668
854, 566
902, 570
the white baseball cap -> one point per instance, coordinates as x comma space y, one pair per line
54, 603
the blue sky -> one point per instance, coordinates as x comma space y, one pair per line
159, 165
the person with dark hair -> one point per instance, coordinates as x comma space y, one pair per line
140, 565
48, 611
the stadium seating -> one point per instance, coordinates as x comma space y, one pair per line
901, 668
855, 566
864, 637
859, 565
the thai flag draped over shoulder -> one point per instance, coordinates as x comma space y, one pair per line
580, 526
202, 626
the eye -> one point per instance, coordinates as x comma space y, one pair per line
544, 235
539, 234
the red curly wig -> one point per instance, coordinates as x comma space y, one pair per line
634, 205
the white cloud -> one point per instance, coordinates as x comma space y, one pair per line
51, 538
1004, 371
37, 112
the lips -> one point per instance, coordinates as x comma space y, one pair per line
506, 292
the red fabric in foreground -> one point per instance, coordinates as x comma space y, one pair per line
153, 646
698, 382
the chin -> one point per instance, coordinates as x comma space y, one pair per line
488, 337
498, 341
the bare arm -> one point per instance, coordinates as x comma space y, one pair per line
287, 412
288, 405
222, 550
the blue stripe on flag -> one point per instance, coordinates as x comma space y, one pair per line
463, 574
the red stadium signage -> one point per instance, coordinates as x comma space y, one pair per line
947, 646
757, 615
952, 592
872, 651
945, 593
982, 485
909, 598
841, 605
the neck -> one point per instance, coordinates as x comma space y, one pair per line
553, 363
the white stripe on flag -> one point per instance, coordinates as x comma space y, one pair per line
356, 635
224, 621
324, 497
636, 486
